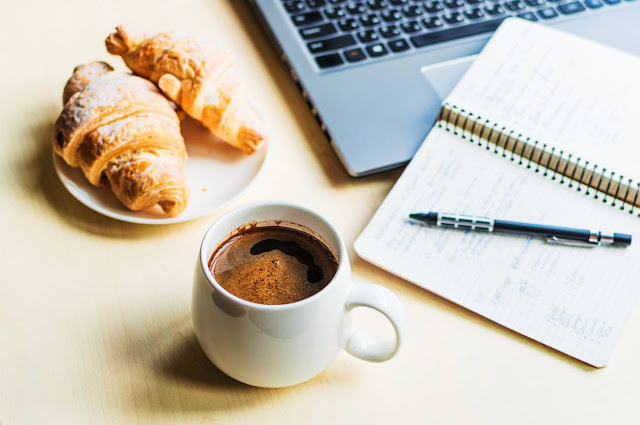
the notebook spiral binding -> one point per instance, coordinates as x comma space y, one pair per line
554, 163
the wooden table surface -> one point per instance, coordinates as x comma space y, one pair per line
95, 323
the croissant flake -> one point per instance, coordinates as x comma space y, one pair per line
197, 75
124, 134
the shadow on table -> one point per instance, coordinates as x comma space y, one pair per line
322, 150
162, 369
39, 176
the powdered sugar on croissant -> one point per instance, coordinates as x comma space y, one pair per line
197, 75
124, 134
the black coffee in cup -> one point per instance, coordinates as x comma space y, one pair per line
273, 264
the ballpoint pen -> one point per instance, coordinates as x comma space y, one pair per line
554, 234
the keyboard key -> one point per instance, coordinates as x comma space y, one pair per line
494, 9
390, 31
472, 2
593, 4
355, 55
369, 20
433, 7
390, 15
474, 13
355, 8
514, 5
452, 17
348, 24
412, 11
307, 18
367, 36
334, 12
376, 50
399, 2
570, 8
453, 4
327, 61
432, 22
611, 2
429, 38
318, 31
399, 45
377, 4
316, 3
548, 13
411, 26
528, 16
331, 43
337, 1
293, 6
534, 3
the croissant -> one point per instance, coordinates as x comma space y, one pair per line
198, 76
124, 134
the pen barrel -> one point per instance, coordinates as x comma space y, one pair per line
554, 234
583, 235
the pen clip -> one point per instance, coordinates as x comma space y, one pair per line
570, 242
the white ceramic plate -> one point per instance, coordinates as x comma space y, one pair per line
217, 173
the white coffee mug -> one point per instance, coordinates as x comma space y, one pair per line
282, 345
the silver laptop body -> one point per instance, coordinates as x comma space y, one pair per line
377, 110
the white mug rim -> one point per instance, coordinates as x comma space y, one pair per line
204, 257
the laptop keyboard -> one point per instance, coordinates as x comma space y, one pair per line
338, 33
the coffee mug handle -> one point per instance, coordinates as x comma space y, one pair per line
381, 299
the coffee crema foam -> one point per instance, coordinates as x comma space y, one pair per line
273, 265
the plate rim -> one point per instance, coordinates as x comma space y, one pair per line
58, 163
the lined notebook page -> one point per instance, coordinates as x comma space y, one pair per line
572, 299
576, 95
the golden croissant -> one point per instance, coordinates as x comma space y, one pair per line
124, 134
198, 76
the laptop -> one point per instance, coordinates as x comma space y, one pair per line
357, 63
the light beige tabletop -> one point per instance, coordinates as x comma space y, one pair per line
95, 322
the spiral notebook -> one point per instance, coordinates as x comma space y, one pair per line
541, 129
